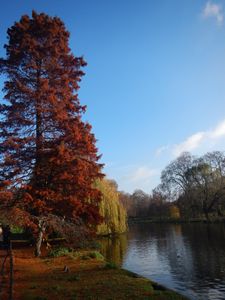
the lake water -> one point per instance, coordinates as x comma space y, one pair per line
188, 258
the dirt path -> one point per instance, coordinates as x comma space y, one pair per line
4, 275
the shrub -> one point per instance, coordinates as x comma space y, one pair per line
96, 255
93, 255
110, 265
59, 251
16, 229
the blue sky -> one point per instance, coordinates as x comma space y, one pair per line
155, 80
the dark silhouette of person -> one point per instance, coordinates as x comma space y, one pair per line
6, 235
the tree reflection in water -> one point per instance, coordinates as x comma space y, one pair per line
189, 258
114, 248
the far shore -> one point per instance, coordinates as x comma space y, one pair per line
176, 221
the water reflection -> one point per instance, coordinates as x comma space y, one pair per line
189, 258
114, 249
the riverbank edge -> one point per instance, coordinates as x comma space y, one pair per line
156, 285
133, 220
87, 278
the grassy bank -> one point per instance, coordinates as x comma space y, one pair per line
88, 277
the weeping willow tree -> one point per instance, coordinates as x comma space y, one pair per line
112, 211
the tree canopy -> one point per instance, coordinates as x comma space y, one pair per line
197, 183
48, 155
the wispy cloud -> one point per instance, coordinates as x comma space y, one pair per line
142, 173
213, 10
161, 149
190, 143
219, 131
147, 176
133, 176
198, 139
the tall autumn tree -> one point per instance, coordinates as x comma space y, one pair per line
48, 156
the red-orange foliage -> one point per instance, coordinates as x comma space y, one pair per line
48, 156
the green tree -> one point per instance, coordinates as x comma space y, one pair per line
112, 211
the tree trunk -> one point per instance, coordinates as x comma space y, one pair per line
42, 227
39, 138
206, 212
219, 211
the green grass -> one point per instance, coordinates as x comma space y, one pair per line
59, 251
111, 265
64, 251
96, 255
16, 229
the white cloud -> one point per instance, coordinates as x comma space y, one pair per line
141, 177
199, 139
161, 149
142, 173
219, 131
146, 177
190, 143
133, 176
213, 10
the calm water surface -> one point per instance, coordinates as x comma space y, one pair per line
189, 258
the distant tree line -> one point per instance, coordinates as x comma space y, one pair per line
191, 188
154, 206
